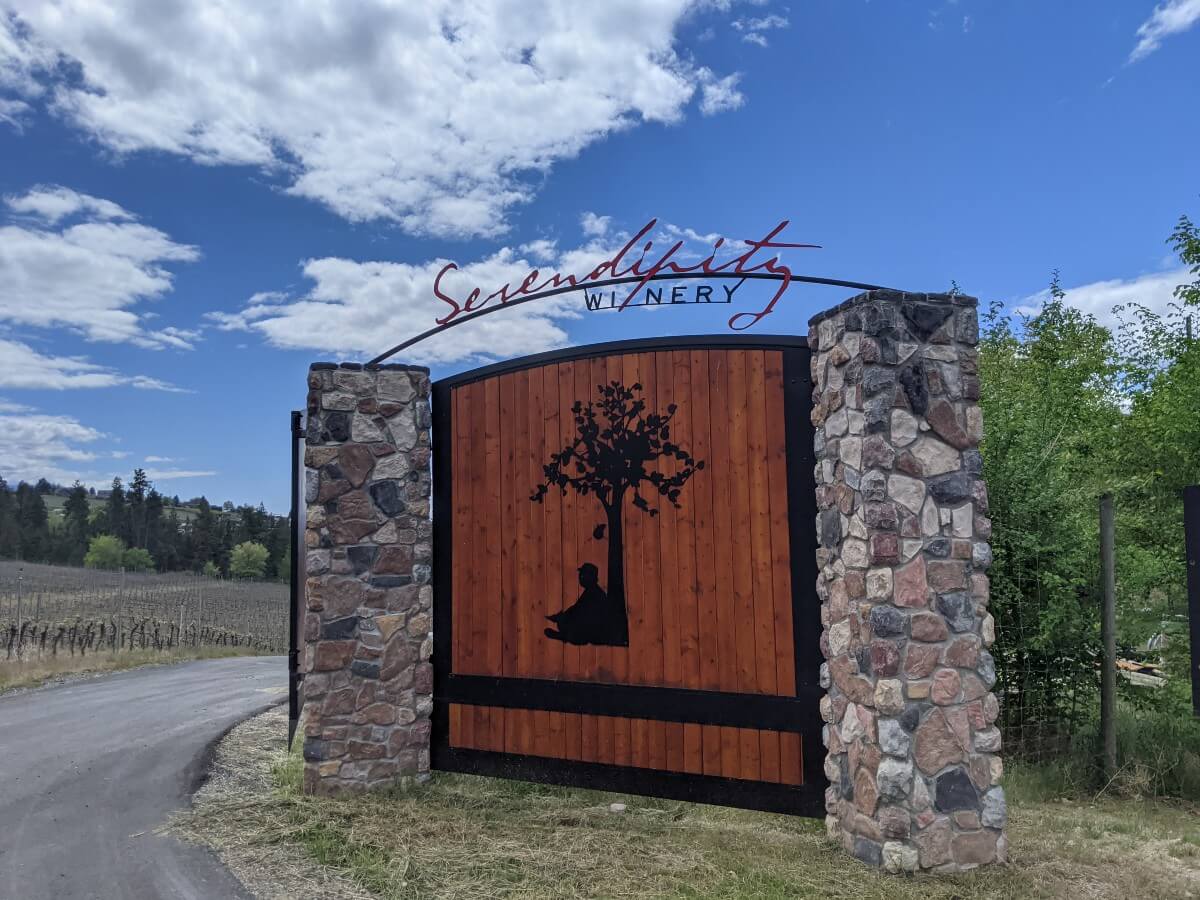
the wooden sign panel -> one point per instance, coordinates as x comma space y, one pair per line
624, 571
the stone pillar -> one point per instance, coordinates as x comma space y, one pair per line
903, 532
368, 682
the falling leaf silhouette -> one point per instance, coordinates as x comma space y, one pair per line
598, 532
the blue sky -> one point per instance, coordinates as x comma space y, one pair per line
195, 206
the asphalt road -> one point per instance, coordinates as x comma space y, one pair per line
90, 768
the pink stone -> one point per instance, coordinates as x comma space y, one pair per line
974, 847
866, 795
944, 422
910, 585
928, 627
973, 688
885, 658
885, 548
963, 652
946, 575
946, 685
936, 744
920, 660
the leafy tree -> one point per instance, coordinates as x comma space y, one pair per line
248, 560
210, 569
1051, 405
105, 551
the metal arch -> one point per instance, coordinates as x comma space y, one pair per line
608, 282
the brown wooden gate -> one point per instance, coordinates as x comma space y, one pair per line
624, 571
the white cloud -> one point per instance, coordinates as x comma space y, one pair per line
718, 95
1154, 290
158, 459
70, 260
34, 445
363, 308
754, 29
437, 115
1168, 18
157, 475
23, 367
594, 225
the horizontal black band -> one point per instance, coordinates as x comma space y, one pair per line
662, 704
796, 800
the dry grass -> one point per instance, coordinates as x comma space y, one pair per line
466, 837
15, 674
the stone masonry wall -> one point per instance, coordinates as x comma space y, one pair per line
368, 682
913, 750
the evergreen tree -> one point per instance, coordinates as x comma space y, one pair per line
10, 532
34, 524
204, 537
155, 529
116, 520
75, 525
135, 500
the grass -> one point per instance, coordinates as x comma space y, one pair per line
469, 837
15, 674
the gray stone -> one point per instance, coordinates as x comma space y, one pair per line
899, 857
959, 610
361, 557
925, 318
981, 555
340, 629
912, 379
972, 461
908, 492
904, 428
873, 486
935, 456
938, 547
986, 668
831, 528
911, 717
894, 778
952, 488
868, 851
826, 681
877, 378
893, 739
954, 790
887, 621
364, 430
388, 497
365, 668
312, 485
995, 809
987, 740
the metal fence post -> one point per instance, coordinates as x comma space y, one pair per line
1108, 634
297, 435
1191, 531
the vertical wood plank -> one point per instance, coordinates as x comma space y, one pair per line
723, 538
479, 537
760, 545
652, 580
749, 753
706, 575
494, 580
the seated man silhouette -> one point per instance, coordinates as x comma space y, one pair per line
591, 619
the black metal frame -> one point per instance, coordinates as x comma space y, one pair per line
296, 581
609, 282
1191, 532
798, 714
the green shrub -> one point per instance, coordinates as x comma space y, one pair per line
104, 552
210, 570
137, 559
248, 560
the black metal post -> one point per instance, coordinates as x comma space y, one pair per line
1108, 635
1191, 532
294, 619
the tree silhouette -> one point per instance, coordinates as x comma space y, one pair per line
608, 460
